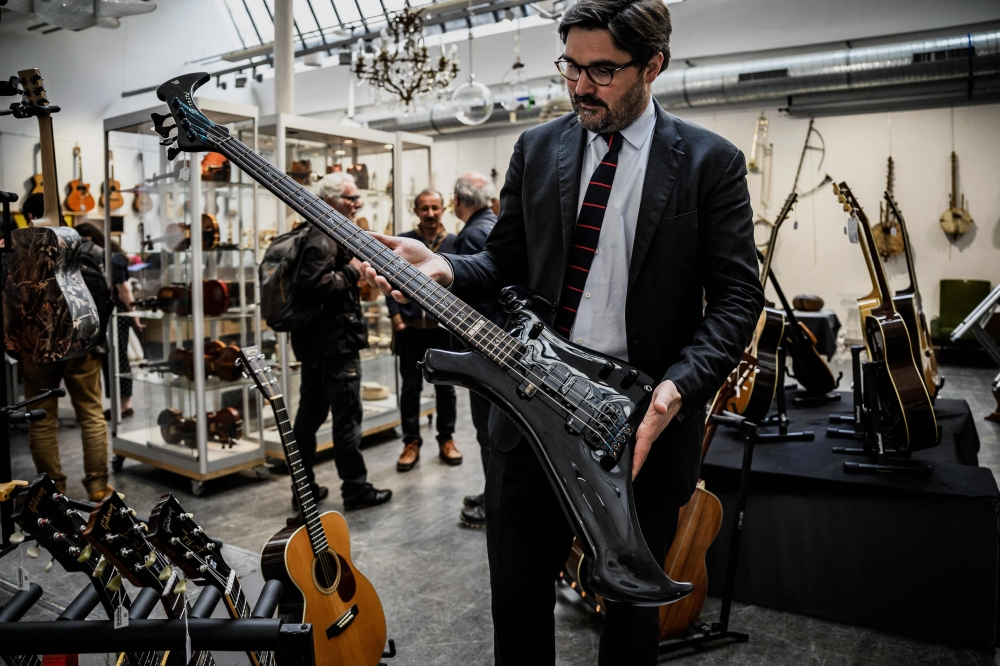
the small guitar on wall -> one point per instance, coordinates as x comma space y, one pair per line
78, 196
177, 536
112, 194
315, 559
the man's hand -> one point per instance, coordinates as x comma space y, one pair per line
417, 254
664, 406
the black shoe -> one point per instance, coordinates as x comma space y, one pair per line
475, 517
319, 492
472, 501
371, 496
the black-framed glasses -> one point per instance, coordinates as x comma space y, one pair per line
601, 75
354, 198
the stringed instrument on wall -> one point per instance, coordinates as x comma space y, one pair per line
754, 401
143, 202
177, 536
38, 179
910, 306
48, 312
113, 192
78, 196
322, 585
908, 420
956, 220
887, 233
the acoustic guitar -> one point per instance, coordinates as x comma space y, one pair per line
111, 191
48, 312
322, 585
910, 306
908, 420
143, 202
78, 196
698, 522
754, 401
38, 179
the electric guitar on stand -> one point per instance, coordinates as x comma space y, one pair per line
315, 559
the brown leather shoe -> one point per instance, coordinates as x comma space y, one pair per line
450, 453
409, 457
98, 495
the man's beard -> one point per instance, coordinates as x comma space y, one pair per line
613, 119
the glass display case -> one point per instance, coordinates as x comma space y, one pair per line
188, 231
307, 149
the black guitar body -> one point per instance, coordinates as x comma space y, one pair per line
808, 367
597, 502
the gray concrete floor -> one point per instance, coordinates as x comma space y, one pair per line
431, 573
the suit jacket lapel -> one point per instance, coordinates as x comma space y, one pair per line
661, 175
568, 165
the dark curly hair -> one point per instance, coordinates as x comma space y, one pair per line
640, 27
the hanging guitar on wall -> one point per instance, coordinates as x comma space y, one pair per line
956, 220
111, 191
78, 196
887, 233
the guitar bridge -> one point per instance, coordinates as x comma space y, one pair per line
342, 623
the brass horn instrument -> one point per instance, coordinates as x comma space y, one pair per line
759, 141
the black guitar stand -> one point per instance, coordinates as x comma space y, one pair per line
854, 419
781, 417
702, 635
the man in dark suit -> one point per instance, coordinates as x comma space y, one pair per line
639, 226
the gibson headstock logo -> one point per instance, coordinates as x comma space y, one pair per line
106, 518
36, 500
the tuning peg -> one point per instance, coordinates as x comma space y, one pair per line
245, 375
164, 130
159, 118
836, 188
239, 362
173, 152
85, 554
121, 496
150, 559
115, 584
99, 569
32, 551
841, 198
168, 140
181, 586
847, 207
48, 567
252, 387
16, 537
188, 516
166, 573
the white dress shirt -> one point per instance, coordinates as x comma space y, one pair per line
600, 318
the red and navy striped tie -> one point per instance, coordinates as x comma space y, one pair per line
588, 232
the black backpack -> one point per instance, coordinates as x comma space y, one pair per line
280, 304
92, 269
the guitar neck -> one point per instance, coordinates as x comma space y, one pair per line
111, 602
239, 608
907, 248
875, 267
50, 192
451, 312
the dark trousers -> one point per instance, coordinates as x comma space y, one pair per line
528, 541
333, 385
480, 408
411, 344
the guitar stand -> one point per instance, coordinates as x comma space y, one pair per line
702, 635
781, 418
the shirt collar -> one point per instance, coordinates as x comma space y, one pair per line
638, 132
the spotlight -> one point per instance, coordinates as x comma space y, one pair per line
219, 83
388, 146
348, 140
340, 152
241, 80
508, 16
259, 78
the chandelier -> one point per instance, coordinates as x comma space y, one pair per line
401, 64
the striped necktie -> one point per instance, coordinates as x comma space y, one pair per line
586, 236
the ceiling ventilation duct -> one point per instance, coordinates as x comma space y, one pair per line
917, 74
81, 14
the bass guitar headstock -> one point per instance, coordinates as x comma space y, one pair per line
255, 367
195, 132
175, 534
44, 513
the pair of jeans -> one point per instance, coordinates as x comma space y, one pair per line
411, 344
528, 541
83, 383
333, 386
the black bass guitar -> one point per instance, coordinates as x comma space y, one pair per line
579, 409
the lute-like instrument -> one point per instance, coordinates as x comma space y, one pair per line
956, 220
578, 408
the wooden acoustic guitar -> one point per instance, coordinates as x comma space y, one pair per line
177, 536
908, 420
322, 585
48, 312
78, 196
754, 401
910, 306
143, 202
698, 521
38, 179
111, 191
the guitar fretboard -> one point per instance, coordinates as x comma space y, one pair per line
239, 608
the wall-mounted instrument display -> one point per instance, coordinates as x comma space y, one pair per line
177, 235
909, 423
315, 559
120, 537
49, 314
224, 425
44, 513
761, 159
175, 534
580, 407
910, 306
215, 168
887, 233
698, 522
757, 395
956, 220
175, 299
78, 196
38, 179
111, 195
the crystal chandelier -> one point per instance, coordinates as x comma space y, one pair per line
401, 64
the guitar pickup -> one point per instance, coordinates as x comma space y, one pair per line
344, 621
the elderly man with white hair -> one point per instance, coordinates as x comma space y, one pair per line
328, 348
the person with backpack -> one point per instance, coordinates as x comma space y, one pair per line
309, 286
82, 376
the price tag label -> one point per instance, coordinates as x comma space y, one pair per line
229, 583
852, 229
23, 581
121, 617
185, 174
168, 587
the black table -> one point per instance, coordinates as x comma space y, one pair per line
910, 556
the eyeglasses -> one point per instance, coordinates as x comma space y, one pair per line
354, 198
601, 75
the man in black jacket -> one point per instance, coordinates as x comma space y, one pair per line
328, 349
473, 199
639, 226
414, 333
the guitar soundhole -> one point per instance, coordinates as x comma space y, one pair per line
326, 571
